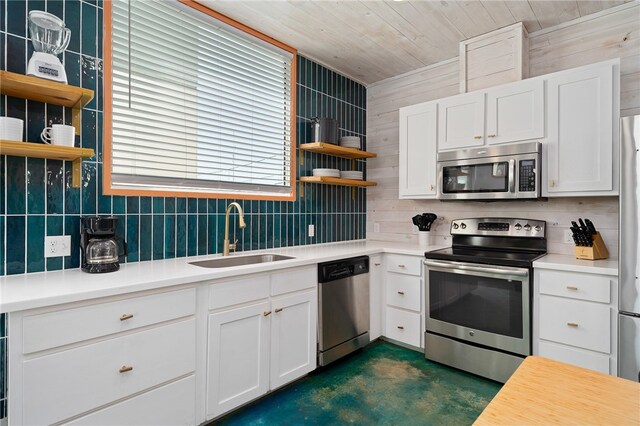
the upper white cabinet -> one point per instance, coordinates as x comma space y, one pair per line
515, 112
581, 148
461, 121
418, 149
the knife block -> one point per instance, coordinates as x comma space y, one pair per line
597, 251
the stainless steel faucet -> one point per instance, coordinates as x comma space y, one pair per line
225, 245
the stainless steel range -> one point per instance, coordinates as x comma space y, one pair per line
478, 295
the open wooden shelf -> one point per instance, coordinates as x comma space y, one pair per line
54, 152
328, 180
336, 150
42, 90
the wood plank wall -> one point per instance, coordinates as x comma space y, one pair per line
608, 34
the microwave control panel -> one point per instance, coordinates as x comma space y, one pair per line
527, 176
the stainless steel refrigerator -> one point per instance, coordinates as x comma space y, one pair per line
629, 263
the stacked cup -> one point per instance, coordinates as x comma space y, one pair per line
11, 129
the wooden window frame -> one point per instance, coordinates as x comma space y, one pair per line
108, 113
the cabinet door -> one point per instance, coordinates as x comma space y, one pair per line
293, 336
581, 131
237, 358
375, 297
418, 151
461, 121
515, 112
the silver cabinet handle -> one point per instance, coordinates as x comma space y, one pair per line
125, 368
266, 313
401, 327
572, 288
491, 136
401, 266
376, 264
125, 317
477, 137
279, 310
572, 324
401, 293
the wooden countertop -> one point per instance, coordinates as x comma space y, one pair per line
543, 391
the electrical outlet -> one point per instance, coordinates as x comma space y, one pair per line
312, 230
57, 246
376, 227
568, 236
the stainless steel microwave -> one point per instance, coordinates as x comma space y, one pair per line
501, 172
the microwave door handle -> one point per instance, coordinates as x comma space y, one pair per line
477, 268
512, 176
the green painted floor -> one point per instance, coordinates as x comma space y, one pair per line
383, 384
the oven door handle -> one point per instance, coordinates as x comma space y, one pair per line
476, 268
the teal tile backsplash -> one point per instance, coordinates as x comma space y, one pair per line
36, 197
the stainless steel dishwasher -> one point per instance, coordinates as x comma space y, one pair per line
343, 298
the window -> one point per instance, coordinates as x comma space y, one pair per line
199, 105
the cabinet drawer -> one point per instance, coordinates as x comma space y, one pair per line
59, 328
403, 326
403, 291
64, 384
172, 404
295, 279
237, 291
583, 324
596, 288
409, 265
580, 357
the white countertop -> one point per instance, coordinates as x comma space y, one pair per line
564, 262
29, 291
21, 292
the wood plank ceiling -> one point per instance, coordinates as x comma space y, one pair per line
371, 40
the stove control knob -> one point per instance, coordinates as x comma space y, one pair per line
537, 228
527, 227
463, 225
517, 227
455, 226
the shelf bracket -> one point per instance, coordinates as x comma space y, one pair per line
301, 152
76, 170
353, 192
301, 189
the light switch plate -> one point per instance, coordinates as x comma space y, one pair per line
312, 230
376, 227
568, 237
57, 246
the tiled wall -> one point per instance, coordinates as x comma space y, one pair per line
36, 197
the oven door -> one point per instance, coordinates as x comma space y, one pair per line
483, 304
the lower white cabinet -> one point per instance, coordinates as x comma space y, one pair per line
261, 342
575, 317
126, 349
403, 304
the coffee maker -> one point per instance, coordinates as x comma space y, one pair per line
99, 244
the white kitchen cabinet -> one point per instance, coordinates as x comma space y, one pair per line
515, 112
375, 296
582, 146
238, 357
124, 349
418, 151
403, 304
262, 334
293, 336
461, 121
575, 318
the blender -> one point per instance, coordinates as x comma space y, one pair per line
50, 38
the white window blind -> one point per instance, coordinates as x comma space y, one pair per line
197, 105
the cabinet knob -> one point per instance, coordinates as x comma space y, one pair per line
572, 324
401, 293
279, 310
125, 368
491, 136
267, 313
125, 317
572, 288
477, 137
401, 327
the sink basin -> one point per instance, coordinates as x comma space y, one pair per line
226, 262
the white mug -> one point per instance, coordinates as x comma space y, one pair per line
11, 129
59, 134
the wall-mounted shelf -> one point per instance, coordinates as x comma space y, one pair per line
328, 180
54, 152
336, 150
51, 92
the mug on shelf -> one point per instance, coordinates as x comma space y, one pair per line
59, 134
11, 129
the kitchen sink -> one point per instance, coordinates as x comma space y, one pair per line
226, 262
